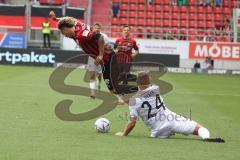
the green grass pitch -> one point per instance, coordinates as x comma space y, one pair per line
30, 130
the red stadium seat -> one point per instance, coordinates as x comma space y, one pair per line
149, 8
226, 11
183, 9
234, 4
166, 2
174, 23
175, 15
124, 7
192, 16
123, 14
166, 8
132, 14
132, 21
140, 1
209, 17
132, 1
226, 3
158, 1
115, 21
157, 23
166, 23
191, 2
217, 17
156, 30
174, 9
140, 22
141, 14
183, 24
123, 21
201, 24
200, 9
115, 29
133, 7
141, 7
217, 10
209, 9
209, 24
124, 1
183, 16
158, 8
191, 24
165, 15
149, 14
158, 15
149, 22
192, 9
191, 32
134, 29
200, 16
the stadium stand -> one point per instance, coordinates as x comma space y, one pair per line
191, 22
161, 20
52, 2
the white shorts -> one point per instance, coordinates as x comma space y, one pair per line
92, 67
173, 124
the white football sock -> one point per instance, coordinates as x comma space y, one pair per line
203, 133
93, 86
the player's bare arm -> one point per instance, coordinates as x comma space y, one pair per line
53, 16
123, 102
135, 53
129, 127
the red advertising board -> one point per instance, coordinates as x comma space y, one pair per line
218, 51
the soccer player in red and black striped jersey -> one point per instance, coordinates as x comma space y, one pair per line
92, 43
126, 50
124, 47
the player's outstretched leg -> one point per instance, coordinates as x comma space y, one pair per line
204, 134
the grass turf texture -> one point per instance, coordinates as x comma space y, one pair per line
29, 128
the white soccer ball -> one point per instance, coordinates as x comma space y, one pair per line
102, 125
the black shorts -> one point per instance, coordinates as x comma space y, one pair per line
111, 75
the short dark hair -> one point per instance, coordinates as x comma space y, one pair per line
126, 26
97, 24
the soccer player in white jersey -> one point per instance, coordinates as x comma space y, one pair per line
148, 104
95, 71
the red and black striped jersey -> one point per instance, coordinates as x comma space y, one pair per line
124, 47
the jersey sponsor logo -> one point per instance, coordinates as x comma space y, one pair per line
85, 33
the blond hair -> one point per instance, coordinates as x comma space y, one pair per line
68, 22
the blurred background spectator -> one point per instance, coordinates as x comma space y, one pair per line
115, 9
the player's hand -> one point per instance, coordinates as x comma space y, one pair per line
98, 60
134, 55
121, 102
120, 134
52, 15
